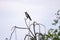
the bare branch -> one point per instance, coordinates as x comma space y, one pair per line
28, 27
21, 28
11, 34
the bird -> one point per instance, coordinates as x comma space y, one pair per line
27, 15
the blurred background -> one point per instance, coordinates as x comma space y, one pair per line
12, 14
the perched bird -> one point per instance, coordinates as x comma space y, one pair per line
27, 15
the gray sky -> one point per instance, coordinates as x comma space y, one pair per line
12, 14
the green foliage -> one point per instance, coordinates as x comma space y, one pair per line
56, 21
59, 33
59, 27
52, 33
55, 38
55, 30
55, 33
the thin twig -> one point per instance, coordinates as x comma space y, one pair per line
21, 28
11, 34
15, 35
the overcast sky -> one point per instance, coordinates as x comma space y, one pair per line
12, 14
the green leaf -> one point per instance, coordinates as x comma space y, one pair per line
56, 38
55, 30
56, 21
59, 27
59, 33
